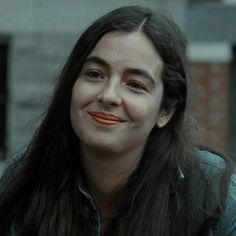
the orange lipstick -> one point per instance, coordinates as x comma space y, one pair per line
105, 119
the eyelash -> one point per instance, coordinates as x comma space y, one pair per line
92, 74
132, 84
136, 85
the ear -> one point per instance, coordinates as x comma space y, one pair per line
164, 118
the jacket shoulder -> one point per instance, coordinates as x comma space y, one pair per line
211, 161
215, 166
227, 223
11, 167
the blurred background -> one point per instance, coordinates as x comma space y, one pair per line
36, 37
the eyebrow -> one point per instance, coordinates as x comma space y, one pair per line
142, 73
98, 61
134, 71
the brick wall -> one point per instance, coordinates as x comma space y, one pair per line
212, 103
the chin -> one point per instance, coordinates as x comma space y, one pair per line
103, 147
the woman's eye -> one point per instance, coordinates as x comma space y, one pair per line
136, 85
94, 75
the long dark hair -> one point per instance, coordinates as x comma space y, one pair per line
44, 197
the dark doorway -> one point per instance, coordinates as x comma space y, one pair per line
3, 95
232, 129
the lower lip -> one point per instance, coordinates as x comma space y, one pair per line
104, 121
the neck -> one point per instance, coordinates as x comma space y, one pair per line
108, 171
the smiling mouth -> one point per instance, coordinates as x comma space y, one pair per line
105, 119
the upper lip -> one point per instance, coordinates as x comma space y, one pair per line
105, 116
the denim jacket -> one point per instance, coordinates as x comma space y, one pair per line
210, 162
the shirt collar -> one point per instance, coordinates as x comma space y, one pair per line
85, 191
180, 175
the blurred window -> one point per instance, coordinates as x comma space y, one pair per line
230, 2
204, 1
212, 2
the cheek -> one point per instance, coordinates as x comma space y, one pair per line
143, 111
82, 95
145, 107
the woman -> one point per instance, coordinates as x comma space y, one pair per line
114, 154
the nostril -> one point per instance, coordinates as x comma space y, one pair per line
111, 98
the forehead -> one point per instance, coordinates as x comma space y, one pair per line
127, 49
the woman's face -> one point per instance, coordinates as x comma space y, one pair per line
117, 96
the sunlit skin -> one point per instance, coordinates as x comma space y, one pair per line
115, 104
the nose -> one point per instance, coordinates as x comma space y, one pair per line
110, 94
